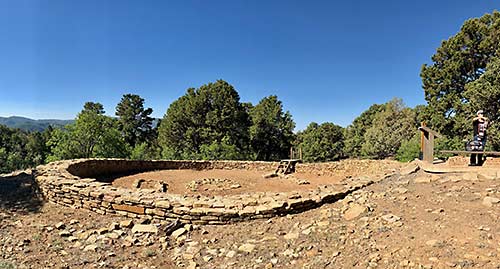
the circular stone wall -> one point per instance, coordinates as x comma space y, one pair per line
73, 183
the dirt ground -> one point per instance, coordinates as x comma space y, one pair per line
225, 182
405, 221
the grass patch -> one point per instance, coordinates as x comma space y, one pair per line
6, 265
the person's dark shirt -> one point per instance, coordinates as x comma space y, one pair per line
475, 125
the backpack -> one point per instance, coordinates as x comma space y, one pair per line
474, 145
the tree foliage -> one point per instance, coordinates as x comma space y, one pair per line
394, 125
134, 122
355, 133
211, 116
271, 133
460, 60
97, 108
92, 135
484, 93
320, 143
20, 149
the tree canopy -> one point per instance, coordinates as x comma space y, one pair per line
271, 133
134, 122
208, 117
355, 133
321, 142
92, 135
460, 60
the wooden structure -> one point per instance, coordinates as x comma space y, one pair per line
486, 153
294, 154
427, 146
287, 166
427, 143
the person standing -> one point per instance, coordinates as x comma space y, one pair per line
480, 124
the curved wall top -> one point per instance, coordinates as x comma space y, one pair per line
72, 183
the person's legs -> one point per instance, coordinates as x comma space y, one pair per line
480, 159
473, 159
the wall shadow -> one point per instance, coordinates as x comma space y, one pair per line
20, 193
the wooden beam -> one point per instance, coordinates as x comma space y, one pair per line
429, 130
491, 153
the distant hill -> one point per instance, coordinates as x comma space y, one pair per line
40, 125
30, 124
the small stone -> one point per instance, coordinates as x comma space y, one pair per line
188, 227
207, 258
64, 233
290, 236
231, 254
307, 231
60, 225
114, 226
390, 218
126, 223
434, 243
354, 211
73, 222
409, 169
323, 223
113, 235
489, 201
235, 186
177, 233
92, 247
192, 265
335, 254
144, 228
102, 230
248, 248
72, 239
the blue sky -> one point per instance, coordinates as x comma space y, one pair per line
325, 60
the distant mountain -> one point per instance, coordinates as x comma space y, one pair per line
30, 124
40, 125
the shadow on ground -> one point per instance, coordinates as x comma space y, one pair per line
19, 193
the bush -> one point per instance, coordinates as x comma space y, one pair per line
409, 149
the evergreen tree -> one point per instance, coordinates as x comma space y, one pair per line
134, 122
394, 125
321, 143
210, 117
355, 133
271, 133
92, 135
460, 60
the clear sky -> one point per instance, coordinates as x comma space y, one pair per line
325, 60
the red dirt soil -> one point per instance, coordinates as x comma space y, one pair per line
242, 181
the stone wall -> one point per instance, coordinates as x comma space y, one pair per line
72, 183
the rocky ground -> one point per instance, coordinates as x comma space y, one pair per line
414, 220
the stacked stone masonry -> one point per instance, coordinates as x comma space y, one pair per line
72, 183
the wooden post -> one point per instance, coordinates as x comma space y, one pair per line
300, 153
421, 153
428, 143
